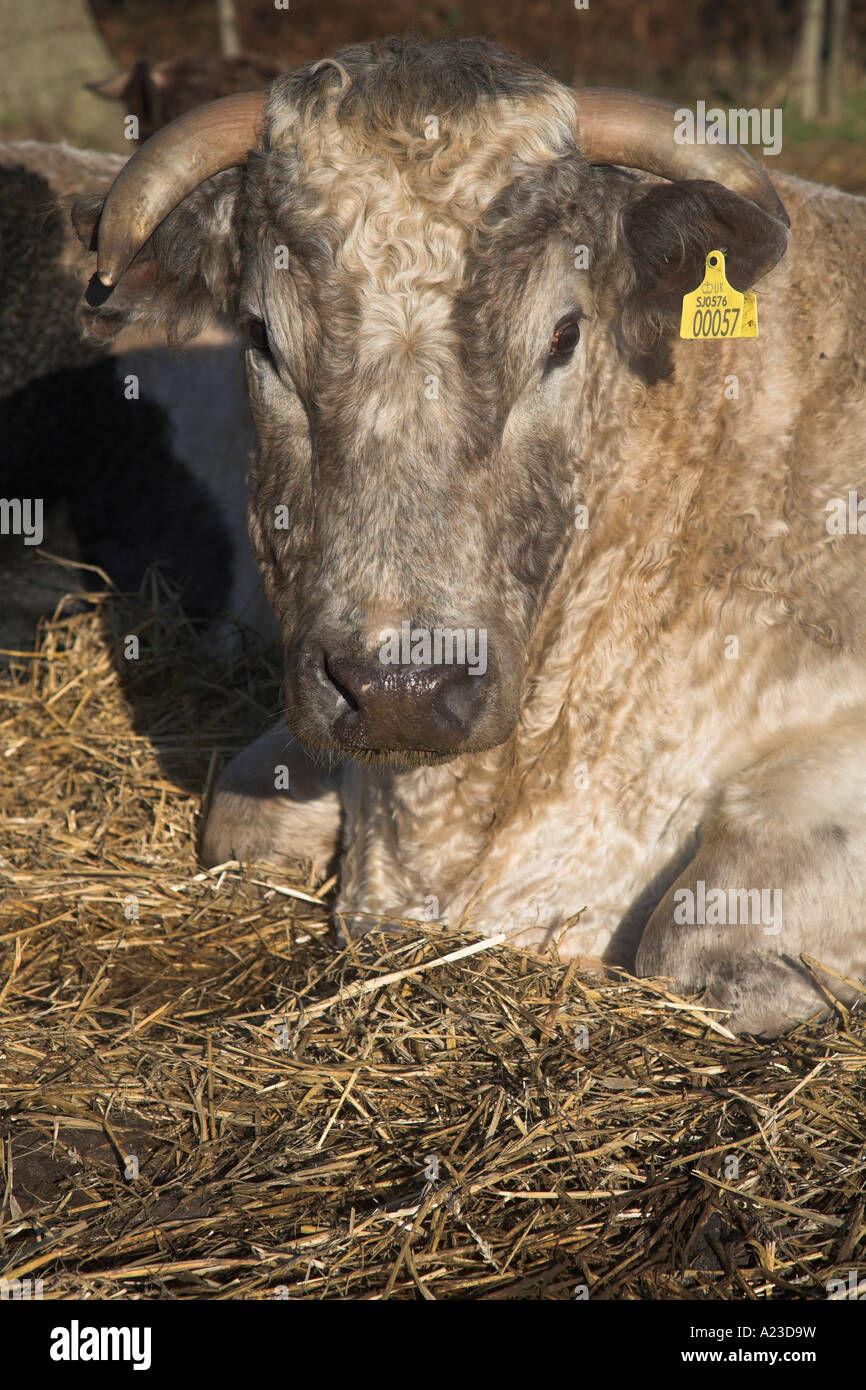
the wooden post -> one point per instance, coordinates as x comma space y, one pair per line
806, 74
835, 59
230, 44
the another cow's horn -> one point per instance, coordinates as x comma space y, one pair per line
638, 132
168, 167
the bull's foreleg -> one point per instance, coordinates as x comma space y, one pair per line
780, 872
253, 817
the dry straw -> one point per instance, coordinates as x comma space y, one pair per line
203, 1097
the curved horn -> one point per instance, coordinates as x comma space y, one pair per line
638, 132
167, 168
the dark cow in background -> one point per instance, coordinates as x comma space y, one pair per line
157, 93
126, 483
462, 314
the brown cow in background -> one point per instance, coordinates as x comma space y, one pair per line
160, 92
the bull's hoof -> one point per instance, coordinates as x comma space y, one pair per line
762, 994
240, 827
250, 819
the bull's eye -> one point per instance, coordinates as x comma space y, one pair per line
257, 334
566, 336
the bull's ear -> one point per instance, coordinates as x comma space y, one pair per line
184, 274
669, 230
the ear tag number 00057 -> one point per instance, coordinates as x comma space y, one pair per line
715, 309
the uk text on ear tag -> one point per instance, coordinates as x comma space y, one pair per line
715, 309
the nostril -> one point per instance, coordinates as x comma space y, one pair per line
457, 702
340, 686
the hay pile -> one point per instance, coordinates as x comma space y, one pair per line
202, 1099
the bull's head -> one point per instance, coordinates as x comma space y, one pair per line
439, 266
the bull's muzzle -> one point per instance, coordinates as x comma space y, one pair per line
374, 708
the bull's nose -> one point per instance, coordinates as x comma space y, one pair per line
391, 708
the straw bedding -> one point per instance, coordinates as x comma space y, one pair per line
203, 1098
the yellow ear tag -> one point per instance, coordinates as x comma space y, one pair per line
715, 309
749, 321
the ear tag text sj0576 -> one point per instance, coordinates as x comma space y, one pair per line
715, 309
